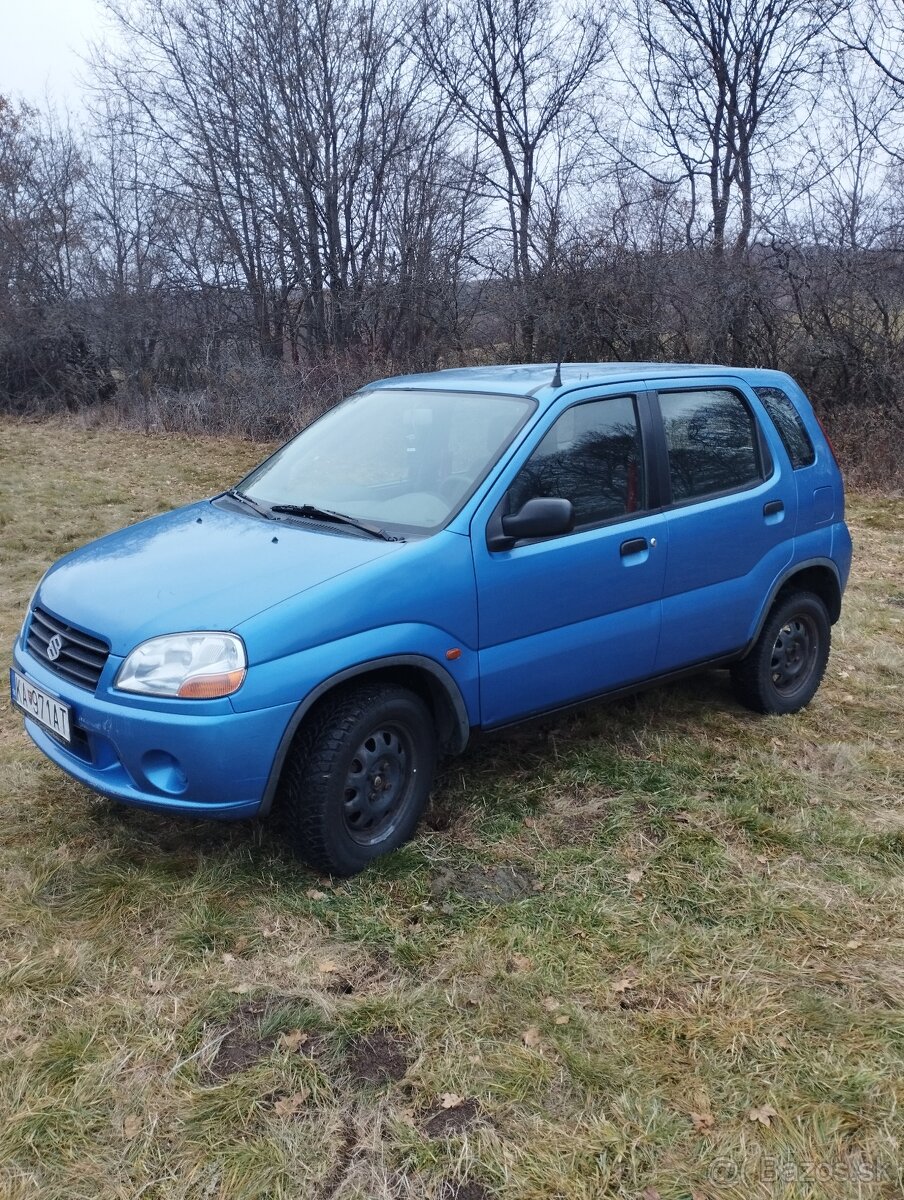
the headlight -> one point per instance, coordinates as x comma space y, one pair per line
195, 666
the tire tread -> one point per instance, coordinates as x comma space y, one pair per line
749, 676
304, 792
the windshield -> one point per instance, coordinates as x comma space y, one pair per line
406, 460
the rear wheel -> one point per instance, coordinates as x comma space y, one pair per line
788, 660
358, 777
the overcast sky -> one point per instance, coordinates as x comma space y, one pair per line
41, 42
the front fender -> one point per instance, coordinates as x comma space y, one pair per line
441, 681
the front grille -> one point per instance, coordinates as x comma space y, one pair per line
82, 656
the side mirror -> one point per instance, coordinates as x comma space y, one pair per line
542, 516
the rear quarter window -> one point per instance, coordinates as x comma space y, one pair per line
789, 423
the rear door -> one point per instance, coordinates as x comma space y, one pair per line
731, 506
571, 616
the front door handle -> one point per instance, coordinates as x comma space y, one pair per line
771, 507
633, 546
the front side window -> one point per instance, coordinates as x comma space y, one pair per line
403, 459
711, 440
789, 423
592, 457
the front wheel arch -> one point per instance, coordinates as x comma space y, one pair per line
418, 674
358, 776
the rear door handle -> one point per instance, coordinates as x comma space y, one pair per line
772, 507
633, 546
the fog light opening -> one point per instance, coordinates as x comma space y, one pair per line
163, 772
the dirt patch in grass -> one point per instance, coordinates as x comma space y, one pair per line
240, 1041
377, 1058
241, 1044
464, 1191
340, 985
498, 884
443, 1122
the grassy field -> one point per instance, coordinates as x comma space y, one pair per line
654, 949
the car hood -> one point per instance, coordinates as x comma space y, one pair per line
206, 566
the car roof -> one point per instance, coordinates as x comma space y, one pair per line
522, 379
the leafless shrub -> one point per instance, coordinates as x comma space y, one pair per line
868, 444
255, 398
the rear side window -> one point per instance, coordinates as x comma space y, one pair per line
712, 442
592, 457
789, 423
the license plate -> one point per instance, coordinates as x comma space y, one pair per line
51, 713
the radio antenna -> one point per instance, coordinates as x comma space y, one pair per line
557, 378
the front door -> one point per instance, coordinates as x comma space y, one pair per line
569, 617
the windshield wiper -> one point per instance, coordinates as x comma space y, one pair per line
258, 508
314, 513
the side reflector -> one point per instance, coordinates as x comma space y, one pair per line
211, 687
453, 654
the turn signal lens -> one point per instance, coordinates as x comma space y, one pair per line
211, 687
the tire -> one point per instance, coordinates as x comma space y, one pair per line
358, 777
786, 664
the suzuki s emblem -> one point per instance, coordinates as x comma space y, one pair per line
54, 647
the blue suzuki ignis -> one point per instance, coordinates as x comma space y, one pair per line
437, 554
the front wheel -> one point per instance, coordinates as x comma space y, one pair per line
788, 660
358, 777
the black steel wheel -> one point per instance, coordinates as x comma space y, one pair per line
377, 783
794, 654
788, 660
358, 777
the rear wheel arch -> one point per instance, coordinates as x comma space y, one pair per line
819, 576
418, 674
820, 579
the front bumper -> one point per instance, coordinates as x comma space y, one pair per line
197, 758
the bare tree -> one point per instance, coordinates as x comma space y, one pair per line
184, 76
41, 171
723, 82
522, 76
876, 29
44, 347
422, 293
288, 125
336, 101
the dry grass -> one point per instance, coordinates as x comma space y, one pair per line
615, 938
